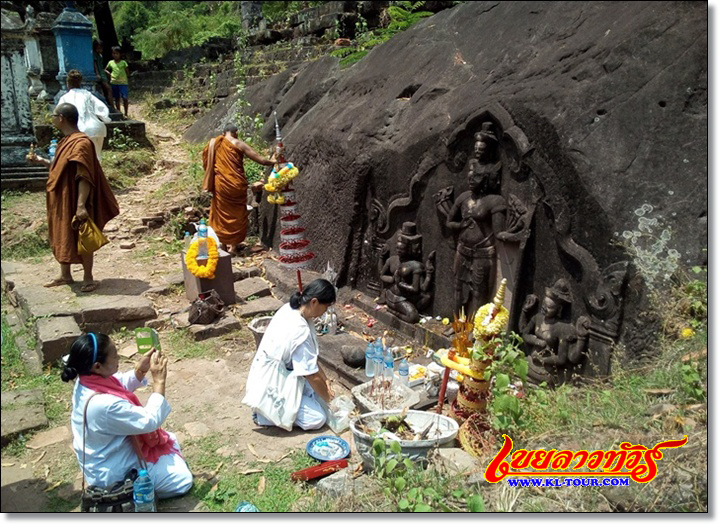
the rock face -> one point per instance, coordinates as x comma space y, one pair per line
593, 104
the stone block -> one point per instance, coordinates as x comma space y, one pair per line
50, 437
157, 324
21, 397
246, 272
157, 290
22, 411
221, 326
341, 484
457, 461
222, 283
262, 306
55, 335
180, 320
256, 286
138, 229
106, 310
175, 279
115, 308
286, 280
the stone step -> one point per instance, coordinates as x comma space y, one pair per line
22, 411
55, 335
91, 312
226, 324
254, 286
25, 183
262, 306
286, 280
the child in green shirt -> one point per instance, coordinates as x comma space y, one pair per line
118, 71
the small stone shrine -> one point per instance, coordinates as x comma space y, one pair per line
73, 33
17, 127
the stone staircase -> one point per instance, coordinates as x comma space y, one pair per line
60, 314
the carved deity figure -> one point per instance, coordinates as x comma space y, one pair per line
551, 341
478, 218
407, 280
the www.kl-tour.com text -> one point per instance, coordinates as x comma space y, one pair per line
569, 482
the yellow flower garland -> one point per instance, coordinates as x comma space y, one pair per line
207, 271
496, 324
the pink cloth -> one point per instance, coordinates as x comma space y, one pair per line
153, 444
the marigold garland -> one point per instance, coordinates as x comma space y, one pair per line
207, 271
496, 324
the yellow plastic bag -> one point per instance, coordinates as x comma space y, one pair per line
90, 238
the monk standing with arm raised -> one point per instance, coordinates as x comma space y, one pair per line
76, 187
225, 179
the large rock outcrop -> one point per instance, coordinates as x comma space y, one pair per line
608, 101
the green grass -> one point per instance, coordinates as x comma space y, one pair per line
57, 504
15, 376
189, 181
179, 343
124, 168
622, 402
230, 486
279, 495
25, 232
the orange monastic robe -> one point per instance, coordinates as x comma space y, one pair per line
62, 194
225, 178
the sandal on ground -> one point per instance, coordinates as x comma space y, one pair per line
89, 287
58, 282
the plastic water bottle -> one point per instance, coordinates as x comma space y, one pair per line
202, 240
404, 372
370, 360
246, 506
378, 360
187, 240
144, 493
332, 322
389, 365
52, 148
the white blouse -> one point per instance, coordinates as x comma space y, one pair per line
110, 419
91, 111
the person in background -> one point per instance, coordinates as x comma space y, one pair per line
91, 111
118, 428
285, 379
102, 77
225, 179
76, 188
118, 70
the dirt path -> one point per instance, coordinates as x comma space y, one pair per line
205, 382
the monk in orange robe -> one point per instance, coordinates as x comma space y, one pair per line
76, 187
225, 179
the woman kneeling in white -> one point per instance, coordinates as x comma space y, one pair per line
285, 379
118, 429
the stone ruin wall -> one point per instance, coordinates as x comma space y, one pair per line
605, 94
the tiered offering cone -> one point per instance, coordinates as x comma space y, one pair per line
294, 247
470, 407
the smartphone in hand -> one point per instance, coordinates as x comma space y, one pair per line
146, 339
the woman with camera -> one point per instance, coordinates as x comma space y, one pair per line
112, 431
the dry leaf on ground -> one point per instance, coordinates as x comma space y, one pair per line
261, 485
39, 457
53, 486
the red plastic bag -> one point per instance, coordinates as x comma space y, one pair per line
318, 471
